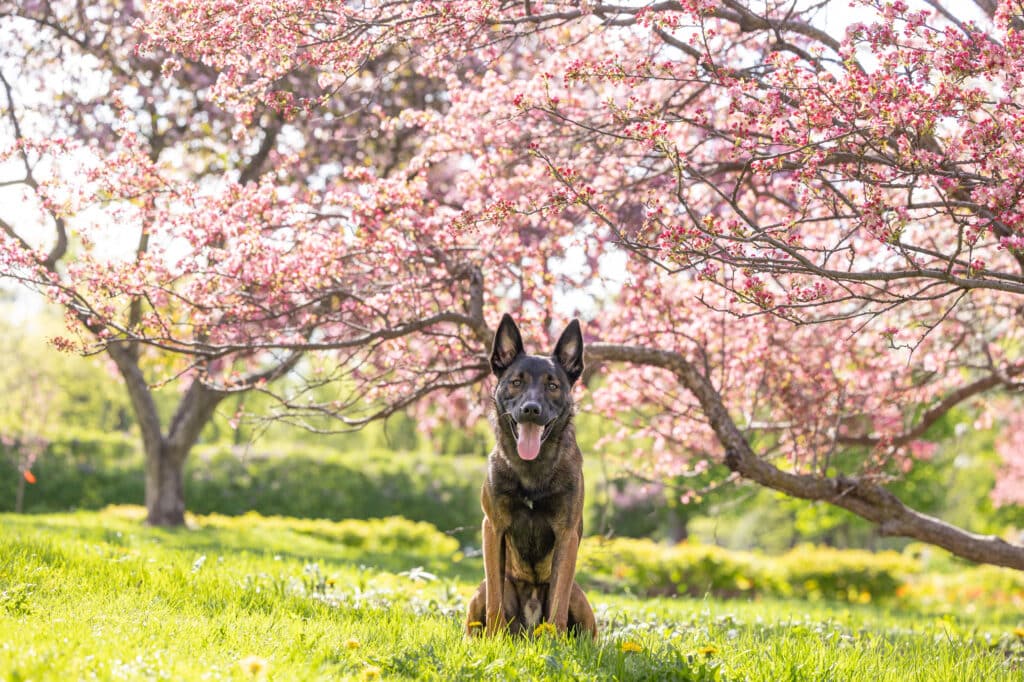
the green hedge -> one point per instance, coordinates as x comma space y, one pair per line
90, 471
442, 490
845, 575
649, 569
82, 470
390, 534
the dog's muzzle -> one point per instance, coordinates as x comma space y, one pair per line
529, 437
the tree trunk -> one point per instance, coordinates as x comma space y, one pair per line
165, 455
676, 530
19, 495
165, 486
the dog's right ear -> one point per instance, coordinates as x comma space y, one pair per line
508, 345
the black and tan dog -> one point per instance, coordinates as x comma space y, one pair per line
533, 496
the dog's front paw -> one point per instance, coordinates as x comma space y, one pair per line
496, 625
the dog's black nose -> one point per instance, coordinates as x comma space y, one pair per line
530, 409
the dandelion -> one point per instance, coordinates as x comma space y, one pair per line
371, 672
630, 646
475, 624
544, 629
708, 650
254, 666
1019, 631
352, 643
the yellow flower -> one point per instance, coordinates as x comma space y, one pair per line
475, 624
629, 646
254, 666
544, 629
708, 650
352, 644
371, 672
1019, 631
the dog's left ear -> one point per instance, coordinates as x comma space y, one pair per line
569, 351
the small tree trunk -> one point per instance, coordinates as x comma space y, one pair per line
676, 530
165, 487
19, 496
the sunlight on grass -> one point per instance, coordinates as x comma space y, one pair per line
96, 595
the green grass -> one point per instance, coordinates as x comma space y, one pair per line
97, 596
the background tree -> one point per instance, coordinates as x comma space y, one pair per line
107, 146
748, 162
752, 162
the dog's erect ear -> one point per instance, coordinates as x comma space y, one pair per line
508, 345
569, 351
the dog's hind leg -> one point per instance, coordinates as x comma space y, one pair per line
581, 616
511, 610
477, 611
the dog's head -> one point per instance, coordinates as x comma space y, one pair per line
533, 397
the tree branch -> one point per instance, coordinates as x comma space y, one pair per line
862, 497
60, 246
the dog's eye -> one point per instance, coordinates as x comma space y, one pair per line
516, 383
552, 386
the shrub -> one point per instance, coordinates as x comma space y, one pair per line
367, 535
965, 590
649, 569
87, 470
307, 484
845, 575
393, 543
79, 469
645, 568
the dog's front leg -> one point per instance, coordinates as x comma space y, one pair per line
563, 572
494, 576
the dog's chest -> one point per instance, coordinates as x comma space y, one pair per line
530, 532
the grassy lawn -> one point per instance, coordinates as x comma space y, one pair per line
98, 596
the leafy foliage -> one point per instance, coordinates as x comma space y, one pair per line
810, 573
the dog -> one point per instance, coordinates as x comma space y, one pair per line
532, 498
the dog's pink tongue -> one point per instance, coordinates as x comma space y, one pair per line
529, 440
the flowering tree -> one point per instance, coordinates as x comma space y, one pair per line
137, 196
821, 226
